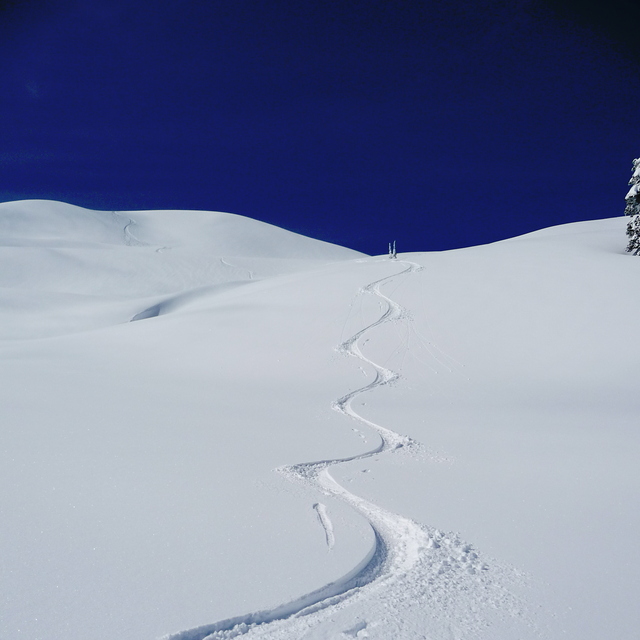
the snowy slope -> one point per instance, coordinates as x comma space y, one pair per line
186, 474
64, 268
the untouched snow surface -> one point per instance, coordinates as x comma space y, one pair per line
215, 428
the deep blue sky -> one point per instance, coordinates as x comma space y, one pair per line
439, 124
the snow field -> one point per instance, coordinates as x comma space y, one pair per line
184, 475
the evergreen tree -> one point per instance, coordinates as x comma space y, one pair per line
633, 209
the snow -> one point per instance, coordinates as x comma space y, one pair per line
635, 180
293, 440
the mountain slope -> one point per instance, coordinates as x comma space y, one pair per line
58, 261
151, 470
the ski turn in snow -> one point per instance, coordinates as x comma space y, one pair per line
417, 581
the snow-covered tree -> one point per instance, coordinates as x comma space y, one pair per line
633, 209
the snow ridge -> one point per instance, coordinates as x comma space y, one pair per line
416, 580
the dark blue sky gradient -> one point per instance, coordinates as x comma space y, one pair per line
440, 124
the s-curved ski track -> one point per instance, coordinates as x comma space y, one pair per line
417, 582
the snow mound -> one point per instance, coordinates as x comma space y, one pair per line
31, 223
56, 224
57, 261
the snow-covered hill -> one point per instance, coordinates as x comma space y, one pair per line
64, 268
293, 440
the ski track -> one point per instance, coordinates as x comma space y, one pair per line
228, 264
325, 522
129, 238
417, 582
